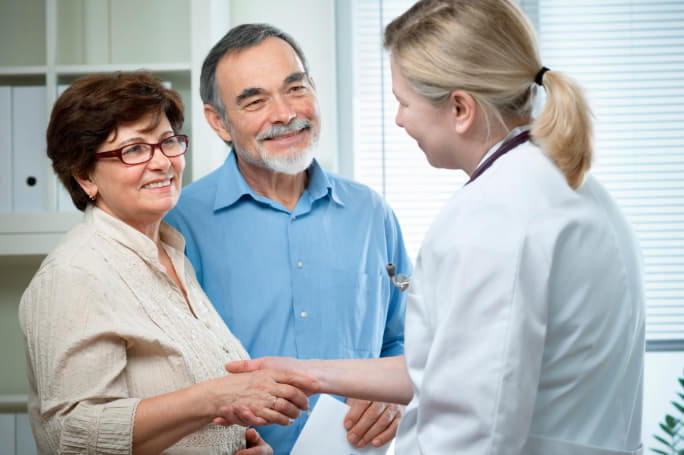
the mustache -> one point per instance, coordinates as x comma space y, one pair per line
295, 125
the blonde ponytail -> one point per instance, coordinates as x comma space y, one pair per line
489, 49
564, 128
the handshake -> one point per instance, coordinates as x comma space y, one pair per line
274, 390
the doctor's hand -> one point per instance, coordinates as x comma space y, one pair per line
255, 444
371, 422
260, 397
266, 363
299, 385
285, 365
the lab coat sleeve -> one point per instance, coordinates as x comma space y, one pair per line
486, 305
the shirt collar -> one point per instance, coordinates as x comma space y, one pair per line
130, 237
231, 185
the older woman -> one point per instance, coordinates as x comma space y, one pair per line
125, 352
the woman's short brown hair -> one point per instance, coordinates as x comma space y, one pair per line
93, 107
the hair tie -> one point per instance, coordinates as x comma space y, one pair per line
540, 75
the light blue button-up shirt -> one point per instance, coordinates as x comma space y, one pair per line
307, 283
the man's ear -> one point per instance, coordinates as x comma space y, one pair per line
463, 109
216, 122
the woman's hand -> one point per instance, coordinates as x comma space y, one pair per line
261, 397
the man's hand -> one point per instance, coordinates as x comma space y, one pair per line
255, 445
371, 422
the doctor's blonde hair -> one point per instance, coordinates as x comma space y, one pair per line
488, 48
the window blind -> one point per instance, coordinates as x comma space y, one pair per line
629, 56
385, 157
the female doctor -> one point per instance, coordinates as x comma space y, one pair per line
525, 313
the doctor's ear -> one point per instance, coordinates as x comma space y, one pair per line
216, 122
463, 108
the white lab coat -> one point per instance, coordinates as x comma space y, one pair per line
525, 320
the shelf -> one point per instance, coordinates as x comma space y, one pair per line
51, 43
23, 70
34, 233
79, 70
13, 403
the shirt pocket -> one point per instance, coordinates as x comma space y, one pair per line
354, 312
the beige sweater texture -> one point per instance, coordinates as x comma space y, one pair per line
105, 327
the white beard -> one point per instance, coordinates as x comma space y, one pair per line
293, 164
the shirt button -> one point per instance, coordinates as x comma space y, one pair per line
294, 217
303, 314
308, 413
300, 264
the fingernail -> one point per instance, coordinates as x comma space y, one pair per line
347, 424
352, 437
376, 443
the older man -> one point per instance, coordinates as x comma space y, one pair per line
292, 257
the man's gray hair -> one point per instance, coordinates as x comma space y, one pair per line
238, 38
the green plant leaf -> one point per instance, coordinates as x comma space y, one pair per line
678, 406
667, 429
672, 427
661, 440
671, 421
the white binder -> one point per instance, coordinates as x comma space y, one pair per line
5, 149
26, 445
64, 202
29, 159
7, 432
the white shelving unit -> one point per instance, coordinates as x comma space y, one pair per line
51, 43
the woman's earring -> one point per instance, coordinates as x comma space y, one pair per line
92, 197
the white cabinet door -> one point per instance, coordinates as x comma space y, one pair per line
26, 445
7, 430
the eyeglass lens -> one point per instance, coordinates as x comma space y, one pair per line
139, 153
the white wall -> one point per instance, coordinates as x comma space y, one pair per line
312, 24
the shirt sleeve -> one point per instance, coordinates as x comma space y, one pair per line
78, 361
483, 330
